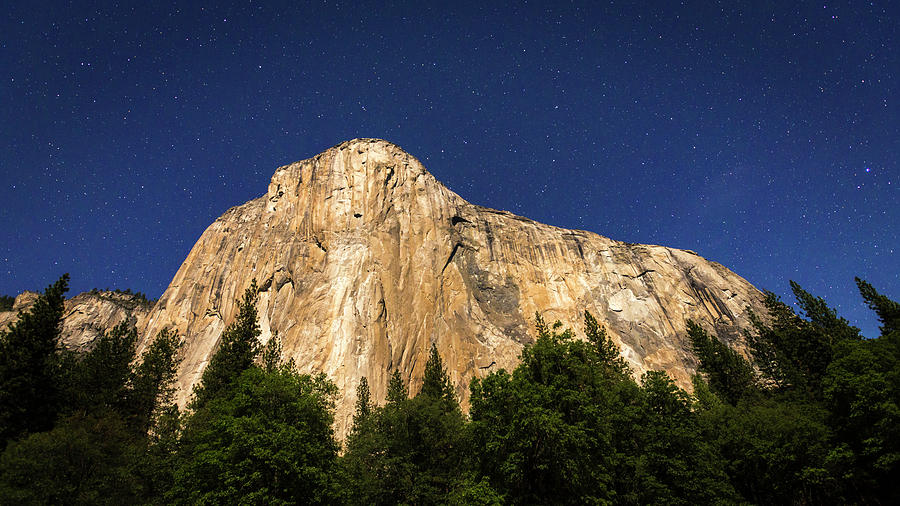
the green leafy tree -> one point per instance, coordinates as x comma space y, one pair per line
862, 394
267, 439
7, 302
674, 462
827, 429
556, 430
775, 451
29, 385
82, 460
99, 451
257, 434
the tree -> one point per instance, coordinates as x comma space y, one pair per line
793, 353
271, 354
267, 439
82, 460
674, 463
152, 383
410, 451
257, 433
605, 350
861, 391
729, 374
29, 388
827, 427
556, 429
363, 404
362, 444
887, 310
98, 381
238, 348
397, 391
436, 383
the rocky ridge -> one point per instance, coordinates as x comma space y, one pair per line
364, 260
87, 315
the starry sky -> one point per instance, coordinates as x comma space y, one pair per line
763, 135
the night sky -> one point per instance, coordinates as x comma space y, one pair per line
763, 135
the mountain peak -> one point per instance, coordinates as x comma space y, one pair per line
364, 260
352, 183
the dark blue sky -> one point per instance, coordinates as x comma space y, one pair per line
763, 135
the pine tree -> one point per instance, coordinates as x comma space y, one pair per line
794, 353
271, 354
436, 383
729, 374
363, 403
152, 384
397, 389
237, 350
887, 310
822, 316
604, 348
99, 380
29, 390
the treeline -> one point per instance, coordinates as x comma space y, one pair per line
811, 418
134, 296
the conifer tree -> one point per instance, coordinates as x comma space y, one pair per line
363, 403
271, 354
728, 373
237, 350
436, 383
887, 310
604, 348
29, 389
398, 391
152, 384
99, 380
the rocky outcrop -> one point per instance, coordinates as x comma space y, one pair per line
87, 315
364, 260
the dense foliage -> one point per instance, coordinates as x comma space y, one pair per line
258, 432
75, 426
820, 421
7, 302
810, 416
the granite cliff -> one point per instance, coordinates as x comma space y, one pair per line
87, 315
364, 260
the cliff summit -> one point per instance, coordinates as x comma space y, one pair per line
364, 260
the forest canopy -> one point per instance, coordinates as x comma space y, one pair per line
810, 415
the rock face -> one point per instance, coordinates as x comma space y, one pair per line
364, 260
87, 315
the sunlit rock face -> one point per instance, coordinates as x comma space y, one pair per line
87, 315
364, 260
